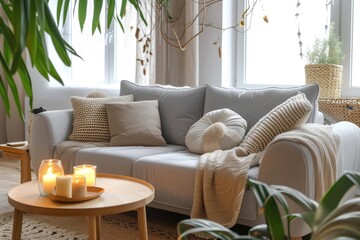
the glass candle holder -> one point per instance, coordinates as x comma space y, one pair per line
48, 171
78, 185
88, 171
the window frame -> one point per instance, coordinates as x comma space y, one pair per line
341, 14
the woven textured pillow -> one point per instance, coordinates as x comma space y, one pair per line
219, 129
290, 114
90, 122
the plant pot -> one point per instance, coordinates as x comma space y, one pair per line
327, 76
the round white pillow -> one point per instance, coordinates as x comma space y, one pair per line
220, 129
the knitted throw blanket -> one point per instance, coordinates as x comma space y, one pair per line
221, 175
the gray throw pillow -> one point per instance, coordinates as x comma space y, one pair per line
135, 124
253, 104
179, 108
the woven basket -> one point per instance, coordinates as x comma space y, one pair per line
327, 76
341, 109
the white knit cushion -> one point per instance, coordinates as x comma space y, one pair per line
290, 114
90, 122
219, 129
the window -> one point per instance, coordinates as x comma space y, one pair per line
107, 57
355, 52
269, 53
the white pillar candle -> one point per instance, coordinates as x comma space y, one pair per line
49, 181
79, 188
88, 171
64, 186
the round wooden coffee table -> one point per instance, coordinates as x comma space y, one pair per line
121, 194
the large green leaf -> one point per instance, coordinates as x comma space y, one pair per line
31, 41
110, 13
82, 10
346, 226
20, 25
12, 85
57, 40
4, 96
192, 226
98, 4
334, 196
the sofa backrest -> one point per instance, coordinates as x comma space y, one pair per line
179, 108
252, 104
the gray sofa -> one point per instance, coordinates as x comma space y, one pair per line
171, 168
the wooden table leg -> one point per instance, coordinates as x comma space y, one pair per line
92, 228
98, 227
141, 212
17, 224
25, 168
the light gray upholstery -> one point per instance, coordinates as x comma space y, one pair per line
179, 107
256, 103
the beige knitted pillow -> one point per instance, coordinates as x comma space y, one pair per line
290, 114
90, 122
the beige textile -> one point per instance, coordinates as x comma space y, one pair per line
90, 119
135, 123
290, 114
323, 144
220, 185
66, 152
221, 175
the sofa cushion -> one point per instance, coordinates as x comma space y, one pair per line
290, 114
179, 108
90, 122
135, 123
256, 103
219, 129
113, 160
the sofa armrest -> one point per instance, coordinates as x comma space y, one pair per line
48, 129
290, 164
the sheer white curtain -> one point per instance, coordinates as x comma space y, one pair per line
172, 65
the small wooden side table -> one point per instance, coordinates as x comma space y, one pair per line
19, 153
122, 194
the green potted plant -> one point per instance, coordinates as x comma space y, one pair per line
328, 219
324, 65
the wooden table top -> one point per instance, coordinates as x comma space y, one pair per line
17, 149
121, 194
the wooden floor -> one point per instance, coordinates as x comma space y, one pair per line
9, 177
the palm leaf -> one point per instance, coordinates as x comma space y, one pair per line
56, 38
12, 85
20, 25
98, 4
4, 96
31, 41
82, 9
110, 13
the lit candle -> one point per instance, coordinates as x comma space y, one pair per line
88, 171
49, 181
64, 186
78, 186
